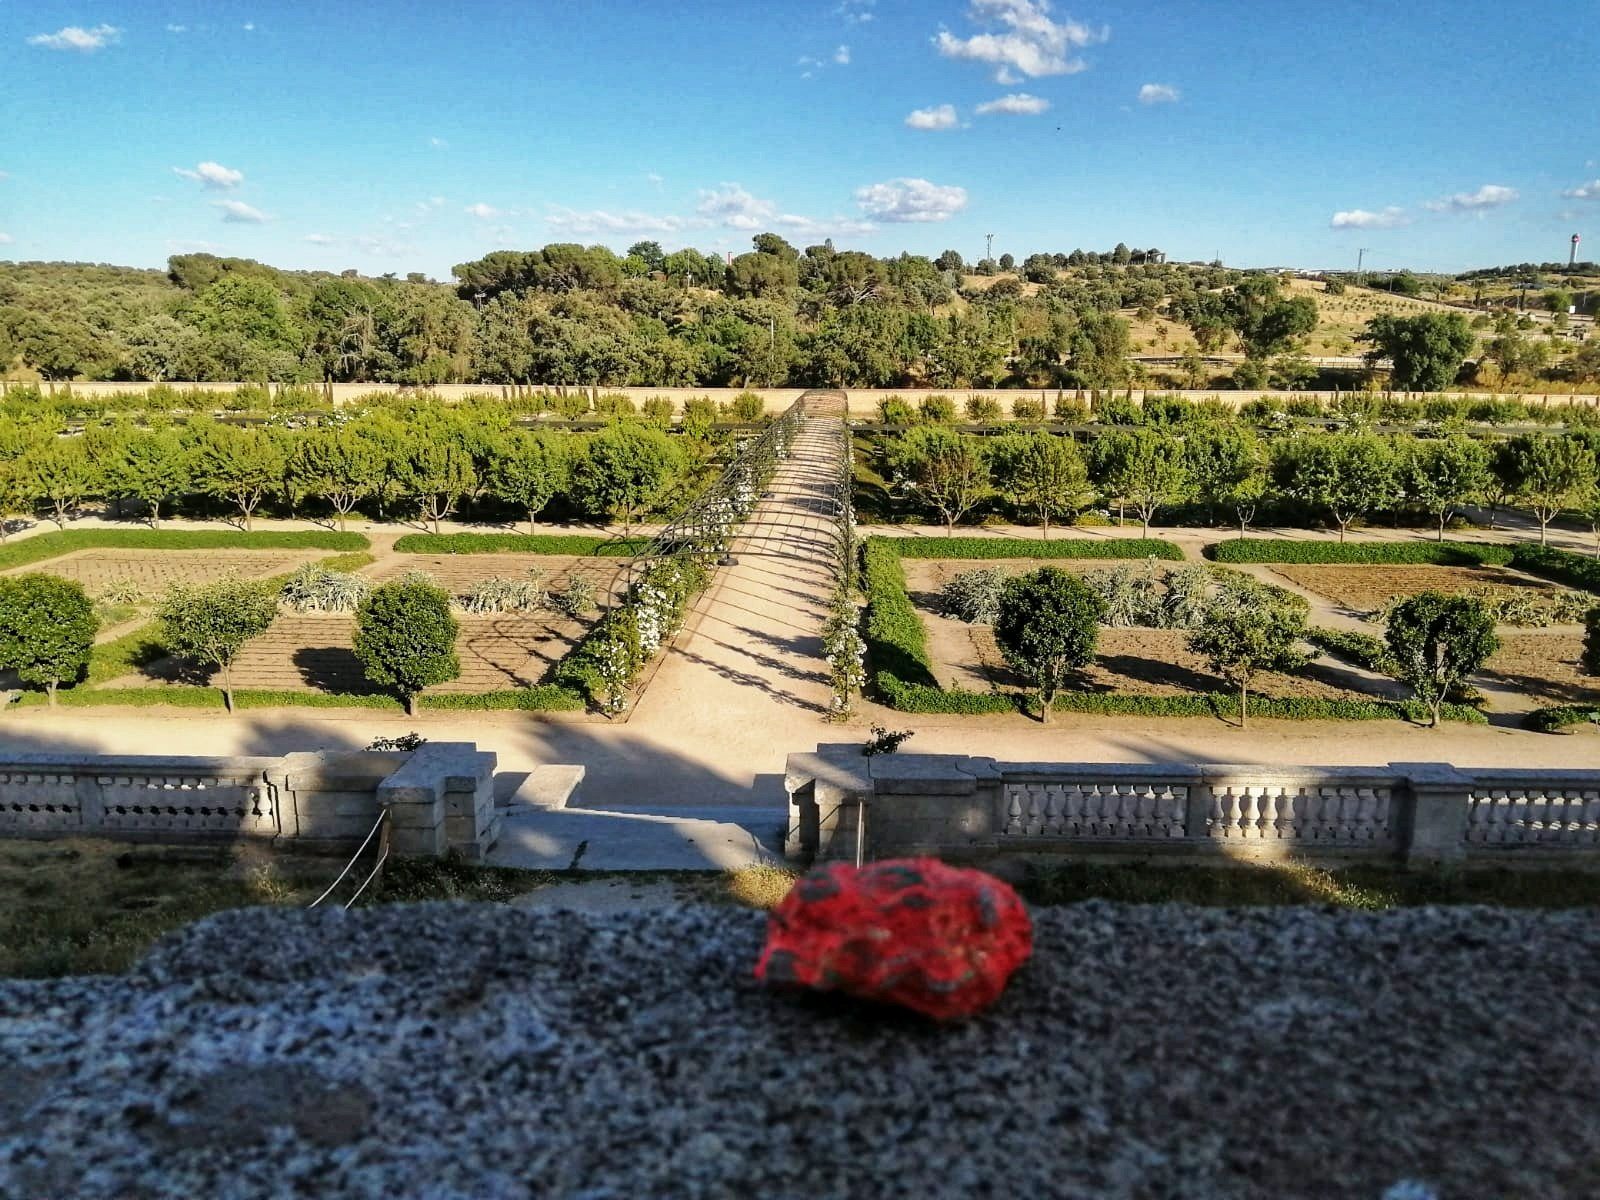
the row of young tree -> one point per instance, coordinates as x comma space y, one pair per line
1229, 470
405, 633
1047, 624
425, 461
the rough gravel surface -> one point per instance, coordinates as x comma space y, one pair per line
477, 1051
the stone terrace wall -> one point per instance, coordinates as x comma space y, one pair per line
1423, 814
439, 797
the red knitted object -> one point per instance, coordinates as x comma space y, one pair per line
912, 931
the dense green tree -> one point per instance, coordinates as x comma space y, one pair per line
1248, 631
1552, 473
47, 629
1437, 642
948, 471
152, 466
240, 465
1348, 475
1445, 475
1227, 465
528, 470
337, 464
625, 471
58, 476
210, 623
1042, 474
436, 474
1426, 351
405, 638
1047, 626
1144, 467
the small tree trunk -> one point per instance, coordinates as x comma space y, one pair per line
1433, 711
1543, 526
530, 522
50, 691
1241, 529
1044, 706
1442, 519
227, 686
341, 520
155, 514
249, 519
411, 704
1244, 706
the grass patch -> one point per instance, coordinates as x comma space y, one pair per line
80, 906
994, 547
575, 544
53, 545
1367, 888
1439, 554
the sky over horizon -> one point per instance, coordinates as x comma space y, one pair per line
406, 136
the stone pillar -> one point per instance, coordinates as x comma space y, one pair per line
1433, 825
826, 789
442, 800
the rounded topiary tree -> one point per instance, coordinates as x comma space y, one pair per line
211, 622
1047, 627
47, 628
406, 638
1590, 660
1437, 641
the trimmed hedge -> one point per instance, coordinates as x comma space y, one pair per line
1443, 554
1563, 566
579, 544
1362, 649
53, 545
544, 698
1561, 716
897, 645
1225, 704
994, 547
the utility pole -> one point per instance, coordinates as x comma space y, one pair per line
988, 245
1361, 253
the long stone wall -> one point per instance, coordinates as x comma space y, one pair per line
1414, 813
440, 798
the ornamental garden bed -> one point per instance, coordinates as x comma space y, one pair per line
1365, 589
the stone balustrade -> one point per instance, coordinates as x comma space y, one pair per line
960, 807
440, 798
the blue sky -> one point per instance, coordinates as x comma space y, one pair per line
409, 136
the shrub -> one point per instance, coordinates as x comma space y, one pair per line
405, 638
314, 588
1590, 660
938, 410
1527, 608
573, 544
1362, 649
1290, 709
984, 409
747, 407
498, 594
896, 642
47, 629
576, 598
1563, 566
210, 622
658, 411
1027, 408
1437, 641
1449, 554
1561, 716
896, 410
974, 596
1047, 628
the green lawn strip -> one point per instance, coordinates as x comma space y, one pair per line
996, 547
1562, 566
1444, 554
53, 545
576, 544
543, 698
1226, 704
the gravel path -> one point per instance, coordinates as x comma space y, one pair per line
482, 1051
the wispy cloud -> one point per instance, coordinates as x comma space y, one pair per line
75, 37
1018, 104
5, 239
855, 12
177, 29
321, 239
438, 143
484, 212
237, 212
249, 26
601, 221
212, 175
1159, 93
942, 116
1584, 191
1490, 195
1360, 218
910, 200
841, 56
1020, 38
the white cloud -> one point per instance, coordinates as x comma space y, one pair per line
5, 239
438, 143
842, 56
941, 117
1584, 191
653, 179
902, 200
1017, 104
4, 175
1490, 195
484, 212
855, 12
249, 26
1022, 39
212, 175
1158, 93
236, 212
184, 246
811, 227
321, 239
177, 29
729, 204
1360, 218
599, 221
75, 37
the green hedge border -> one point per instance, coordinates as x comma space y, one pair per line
1443, 554
543, 698
1558, 717
1562, 566
577, 544
903, 675
994, 547
68, 541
